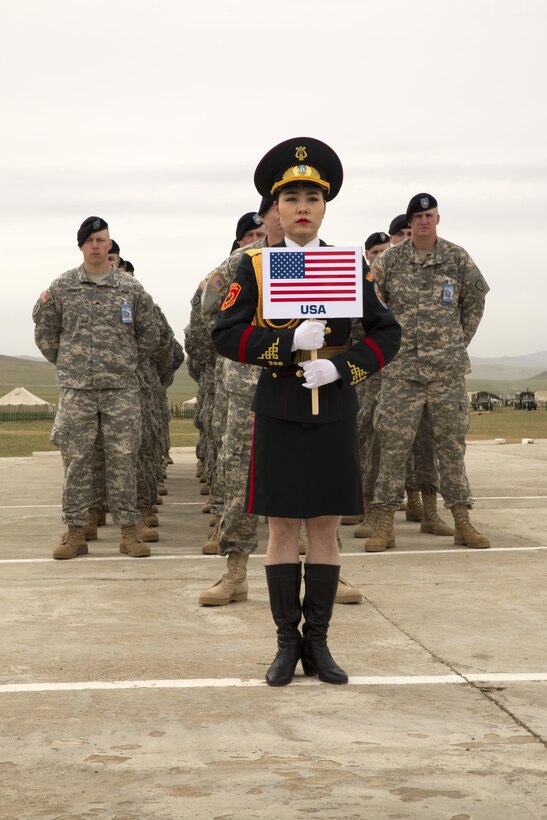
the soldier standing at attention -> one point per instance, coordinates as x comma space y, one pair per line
94, 323
437, 293
303, 466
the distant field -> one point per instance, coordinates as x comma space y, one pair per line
24, 438
39, 378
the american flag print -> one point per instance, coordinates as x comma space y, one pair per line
327, 277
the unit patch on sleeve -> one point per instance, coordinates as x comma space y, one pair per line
231, 296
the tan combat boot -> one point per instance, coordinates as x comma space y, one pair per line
144, 532
214, 520
368, 523
149, 517
90, 529
465, 533
162, 489
72, 543
131, 544
431, 521
211, 545
351, 519
383, 537
205, 489
414, 509
346, 593
233, 584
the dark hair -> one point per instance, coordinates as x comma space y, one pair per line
300, 184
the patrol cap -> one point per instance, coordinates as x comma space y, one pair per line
378, 238
90, 225
265, 205
419, 203
300, 159
398, 223
115, 247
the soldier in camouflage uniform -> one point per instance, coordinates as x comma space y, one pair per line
94, 322
437, 294
202, 358
421, 471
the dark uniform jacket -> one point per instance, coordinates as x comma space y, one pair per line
280, 392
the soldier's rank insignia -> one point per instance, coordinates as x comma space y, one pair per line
301, 152
231, 296
357, 373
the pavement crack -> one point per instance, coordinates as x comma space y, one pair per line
486, 693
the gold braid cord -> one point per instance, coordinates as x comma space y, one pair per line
259, 319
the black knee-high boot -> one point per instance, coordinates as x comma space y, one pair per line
284, 589
321, 584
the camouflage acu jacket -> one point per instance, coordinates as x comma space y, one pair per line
437, 322
79, 328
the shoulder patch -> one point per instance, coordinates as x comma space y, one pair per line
369, 277
45, 296
217, 283
196, 300
379, 295
231, 296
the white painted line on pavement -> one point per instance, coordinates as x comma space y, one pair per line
369, 555
226, 683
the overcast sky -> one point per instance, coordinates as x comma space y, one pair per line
154, 115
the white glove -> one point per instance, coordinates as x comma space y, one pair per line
309, 335
319, 372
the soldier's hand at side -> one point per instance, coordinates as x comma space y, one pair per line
318, 373
310, 335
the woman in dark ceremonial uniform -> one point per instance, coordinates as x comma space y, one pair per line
303, 466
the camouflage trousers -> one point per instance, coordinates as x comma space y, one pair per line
216, 476
75, 432
238, 529
400, 408
421, 470
147, 458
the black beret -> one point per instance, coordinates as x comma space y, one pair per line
301, 159
419, 203
90, 225
128, 267
398, 223
115, 247
248, 222
378, 238
265, 205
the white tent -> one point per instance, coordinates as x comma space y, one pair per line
20, 399
190, 403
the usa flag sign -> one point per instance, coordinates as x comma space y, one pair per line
312, 283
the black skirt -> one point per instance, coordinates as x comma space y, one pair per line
304, 470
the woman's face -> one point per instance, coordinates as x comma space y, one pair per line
301, 211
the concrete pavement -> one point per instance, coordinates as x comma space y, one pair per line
121, 698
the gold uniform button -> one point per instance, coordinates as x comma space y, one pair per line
274, 375
299, 373
328, 330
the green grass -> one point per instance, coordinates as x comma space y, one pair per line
22, 438
512, 425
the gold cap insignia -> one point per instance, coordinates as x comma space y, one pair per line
301, 152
